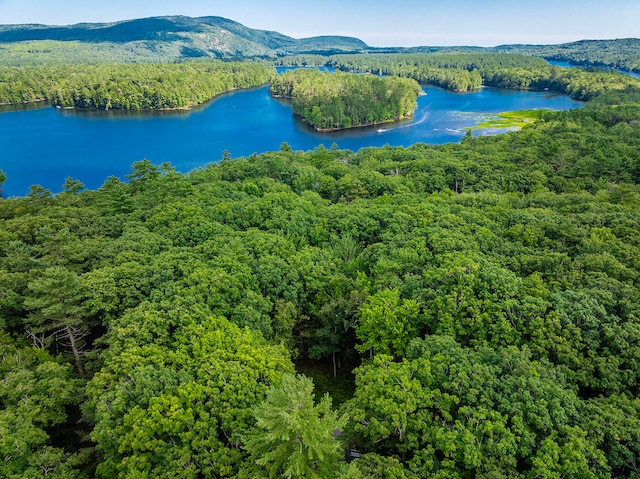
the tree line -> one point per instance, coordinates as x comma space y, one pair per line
129, 86
621, 53
333, 101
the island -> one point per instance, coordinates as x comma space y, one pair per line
337, 101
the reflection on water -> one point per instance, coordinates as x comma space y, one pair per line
34, 105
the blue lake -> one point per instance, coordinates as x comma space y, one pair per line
45, 145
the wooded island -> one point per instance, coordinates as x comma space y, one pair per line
334, 101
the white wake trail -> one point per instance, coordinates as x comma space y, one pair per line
424, 114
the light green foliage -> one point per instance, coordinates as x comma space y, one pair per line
471, 300
509, 119
376, 466
293, 437
567, 454
175, 394
387, 323
72, 186
453, 411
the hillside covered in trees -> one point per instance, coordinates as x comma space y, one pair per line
478, 303
156, 39
622, 53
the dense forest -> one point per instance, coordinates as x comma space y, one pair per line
477, 302
468, 71
334, 101
465, 71
171, 38
129, 87
620, 53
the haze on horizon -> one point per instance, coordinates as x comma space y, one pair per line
377, 22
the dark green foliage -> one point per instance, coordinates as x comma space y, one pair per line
623, 53
335, 101
35, 390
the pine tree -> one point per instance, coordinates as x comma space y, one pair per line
294, 438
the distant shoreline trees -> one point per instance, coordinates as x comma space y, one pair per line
470, 71
129, 87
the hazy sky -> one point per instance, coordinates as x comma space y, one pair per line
377, 22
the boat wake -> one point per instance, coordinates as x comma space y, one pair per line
424, 114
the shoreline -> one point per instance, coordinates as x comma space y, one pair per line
368, 125
330, 130
188, 107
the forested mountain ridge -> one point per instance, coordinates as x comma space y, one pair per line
168, 38
173, 38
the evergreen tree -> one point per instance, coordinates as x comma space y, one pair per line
294, 438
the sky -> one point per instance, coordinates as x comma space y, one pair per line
377, 22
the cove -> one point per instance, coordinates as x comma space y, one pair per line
45, 145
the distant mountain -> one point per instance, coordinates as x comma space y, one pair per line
168, 38
174, 38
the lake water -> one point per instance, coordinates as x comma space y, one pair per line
45, 145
